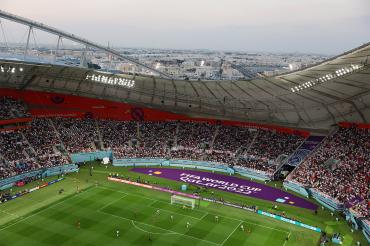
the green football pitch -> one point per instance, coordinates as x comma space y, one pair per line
93, 216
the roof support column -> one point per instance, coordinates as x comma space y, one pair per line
57, 49
28, 42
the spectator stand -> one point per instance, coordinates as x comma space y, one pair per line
11, 181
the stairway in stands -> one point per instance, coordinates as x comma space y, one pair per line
63, 149
100, 138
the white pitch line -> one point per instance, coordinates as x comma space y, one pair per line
251, 223
110, 203
107, 188
271, 228
154, 201
151, 199
288, 238
205, 214
11, 214
231, 233
178, 233
172, 212
162, 209
156, 233
241, 221
43, 210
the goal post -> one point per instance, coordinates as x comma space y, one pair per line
185, 201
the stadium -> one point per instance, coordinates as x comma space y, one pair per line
95, 157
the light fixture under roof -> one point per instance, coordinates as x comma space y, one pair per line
327, 77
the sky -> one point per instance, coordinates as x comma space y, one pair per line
307, 26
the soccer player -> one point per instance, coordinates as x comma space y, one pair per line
117, 233
158, 212
171, 218
187, 225
242, 227
216, 218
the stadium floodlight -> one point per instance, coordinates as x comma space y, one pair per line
327, 77
112, 80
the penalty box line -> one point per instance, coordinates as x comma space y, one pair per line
154, 201
169, 231
231, 233
155, 233
206, 213
110, 203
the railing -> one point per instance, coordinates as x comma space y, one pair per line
42, 172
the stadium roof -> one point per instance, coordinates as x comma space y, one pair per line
294, 99
316, 97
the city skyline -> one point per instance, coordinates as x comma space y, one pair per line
326, 27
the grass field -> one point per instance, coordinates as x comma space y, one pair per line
47, 218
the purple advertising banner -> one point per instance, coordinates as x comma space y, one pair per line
230, 184
304, 150
353, 202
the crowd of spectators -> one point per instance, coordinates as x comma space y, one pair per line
232, 138
271, 144
226, 157
231, 145
15, 159
172, 139
43, 139
187, 154
263, 164
362, 208
29, 149
11, 108
193, 135
156, 136
266, 147
340, 167
78, 135
117, 134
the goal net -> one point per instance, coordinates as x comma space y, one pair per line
185, 201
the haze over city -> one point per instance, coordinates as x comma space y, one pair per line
307, 26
